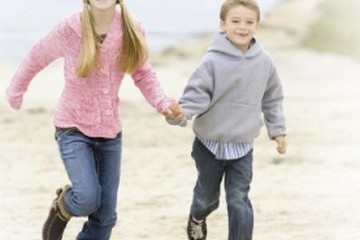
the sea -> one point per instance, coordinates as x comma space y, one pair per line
167, 22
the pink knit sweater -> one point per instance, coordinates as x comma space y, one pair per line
90, 104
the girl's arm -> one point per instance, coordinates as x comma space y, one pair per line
145, 79
42, 54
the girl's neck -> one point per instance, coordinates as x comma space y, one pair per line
103, 20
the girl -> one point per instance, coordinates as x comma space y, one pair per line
234, 85
99, 46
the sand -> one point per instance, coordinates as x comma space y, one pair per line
311, 193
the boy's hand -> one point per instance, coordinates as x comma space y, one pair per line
174, 112
281, 144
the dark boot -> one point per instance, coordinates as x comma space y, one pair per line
58, 217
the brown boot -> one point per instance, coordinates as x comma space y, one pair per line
58, 217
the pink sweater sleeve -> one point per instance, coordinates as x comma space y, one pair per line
42, 54
145, 79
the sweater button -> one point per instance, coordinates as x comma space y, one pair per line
108, 112
105, 70
106, 90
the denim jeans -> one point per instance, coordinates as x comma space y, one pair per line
93, 168
238, 176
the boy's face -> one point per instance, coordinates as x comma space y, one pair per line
240, 26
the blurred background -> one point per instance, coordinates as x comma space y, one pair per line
22, 22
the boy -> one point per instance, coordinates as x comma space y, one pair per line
235, 82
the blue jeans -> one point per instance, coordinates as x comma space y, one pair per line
238, 176
93, 167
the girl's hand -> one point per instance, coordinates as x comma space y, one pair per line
281, 144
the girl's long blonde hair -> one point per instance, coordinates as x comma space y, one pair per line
133, 50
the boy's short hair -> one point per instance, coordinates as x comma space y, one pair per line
228, 4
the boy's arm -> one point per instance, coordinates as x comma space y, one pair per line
272, 107
198, 92
196, 96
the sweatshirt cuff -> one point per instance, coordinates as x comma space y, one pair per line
277, 135
181, 123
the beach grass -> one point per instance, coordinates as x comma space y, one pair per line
337, 29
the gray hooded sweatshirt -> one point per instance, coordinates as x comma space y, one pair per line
230, 90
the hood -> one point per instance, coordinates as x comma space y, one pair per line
223, 46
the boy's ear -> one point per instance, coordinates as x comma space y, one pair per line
222, 25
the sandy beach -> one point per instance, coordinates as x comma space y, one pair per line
311, 193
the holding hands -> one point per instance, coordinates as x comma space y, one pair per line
174, 115
173, 112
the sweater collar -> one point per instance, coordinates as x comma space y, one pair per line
113, 34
